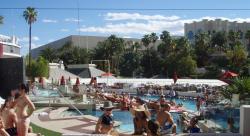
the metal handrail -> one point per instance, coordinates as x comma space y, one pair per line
70, 103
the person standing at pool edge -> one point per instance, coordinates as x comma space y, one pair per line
22, 103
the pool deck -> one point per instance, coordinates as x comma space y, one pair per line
52, 120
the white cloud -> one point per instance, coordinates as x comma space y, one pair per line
151, 23
64, 30
49, 21
35, 38
137, 16
72, 20
51, 40
26, 39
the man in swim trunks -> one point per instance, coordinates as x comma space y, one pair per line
165, 119
9, 117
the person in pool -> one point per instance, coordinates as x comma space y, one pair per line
141, 116
192, 127
22, 103
165, 119
9, 117
105, 123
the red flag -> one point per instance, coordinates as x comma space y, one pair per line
77, 81
175, 77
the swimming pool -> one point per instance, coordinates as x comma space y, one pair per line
122, 116
45, 93
219, 117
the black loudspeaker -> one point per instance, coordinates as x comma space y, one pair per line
11, 75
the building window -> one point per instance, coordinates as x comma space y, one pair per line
190, 35
11, 49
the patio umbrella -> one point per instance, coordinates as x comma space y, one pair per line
175, 77
62, 81
227, 75
77, 81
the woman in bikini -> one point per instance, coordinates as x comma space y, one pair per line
22, 103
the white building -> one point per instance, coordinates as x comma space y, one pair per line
212, 26
9, 47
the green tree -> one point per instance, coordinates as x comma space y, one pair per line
167, 44
186, 66
247, 36
110, 49
153, 38
219, 41
153, 68
201, 46
239, 86
49, 54
30, 15
146, 40
38, 68
233, 38
237, 57
73, 54
130, 64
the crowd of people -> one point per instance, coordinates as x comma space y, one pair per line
15, 113
152, 118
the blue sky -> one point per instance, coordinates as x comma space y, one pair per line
55, 24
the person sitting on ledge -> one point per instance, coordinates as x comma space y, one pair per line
165, 119
105, 123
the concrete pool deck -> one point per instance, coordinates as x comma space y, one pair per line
52, 120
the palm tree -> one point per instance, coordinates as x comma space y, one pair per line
153, 38
247, 36
1, 19
219, 39
30, 15
233, 38
146, 40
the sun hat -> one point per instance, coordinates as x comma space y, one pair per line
107, 105
142, 108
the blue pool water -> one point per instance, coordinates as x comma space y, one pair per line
45, 93
122, 116
220, 117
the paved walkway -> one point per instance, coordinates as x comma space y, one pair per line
52, 120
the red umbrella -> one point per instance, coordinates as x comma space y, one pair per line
107, 74
62, 80
229, 74
77, 81
175, 77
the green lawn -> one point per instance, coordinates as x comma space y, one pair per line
43, 131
